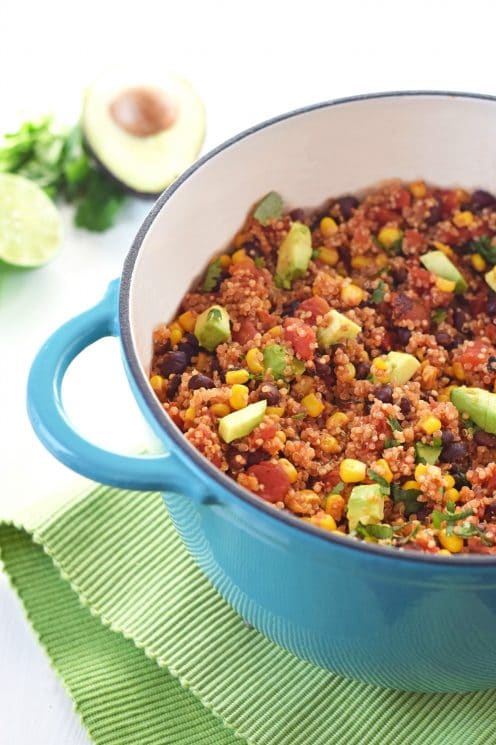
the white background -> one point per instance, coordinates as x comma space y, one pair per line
249, 61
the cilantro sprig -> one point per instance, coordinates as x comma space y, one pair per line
450, 517
484, 247
409, 498
212, 276
378, 293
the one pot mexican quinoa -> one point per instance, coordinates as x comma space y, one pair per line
340, 363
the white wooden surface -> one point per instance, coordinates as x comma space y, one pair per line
249, 61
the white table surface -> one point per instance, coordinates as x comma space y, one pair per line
248, 65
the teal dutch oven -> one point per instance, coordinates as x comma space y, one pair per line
391, 618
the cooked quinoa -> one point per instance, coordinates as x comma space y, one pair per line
340, 364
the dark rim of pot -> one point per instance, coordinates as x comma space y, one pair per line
170, 428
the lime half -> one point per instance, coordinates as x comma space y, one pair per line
30, 226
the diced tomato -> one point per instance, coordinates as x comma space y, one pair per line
383, 215
246, 331
474, 354
449, 199
265, 431
301, 336
406, 308
491, 485
245, 265
420, 277
490, 332
331, 479
401, 198
316, 306
273, 479
478, 303
266, 319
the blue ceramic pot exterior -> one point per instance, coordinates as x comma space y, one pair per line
389, 618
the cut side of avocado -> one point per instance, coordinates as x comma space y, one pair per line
479, 404
275, 358
439, 264
365, 505
144, 128
212, 327
294, 255
338, 328
427, 453
240, 423
401, 367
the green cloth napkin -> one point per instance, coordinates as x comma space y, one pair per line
151, 654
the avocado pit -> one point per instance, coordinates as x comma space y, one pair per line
144, 111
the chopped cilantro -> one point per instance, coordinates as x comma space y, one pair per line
438, 315
315, 253
394, 423
407, 496
268, 208
212, 276
385, 488
449, 516
484, 247
379, 292
301, 415
378, 531
337, 489
259, 262
390, 442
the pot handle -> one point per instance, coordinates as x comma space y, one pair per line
146, 473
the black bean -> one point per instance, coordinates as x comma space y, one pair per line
235, 460
189, 345
405, 405
403, 335
173, 363
216, 367
490, 511
444, 339
459, 319
173, 386
162, 348
346, 206
297, 215
289, 309
200, 381
269, 393
384, 393
454, 452
256, 456
458, 339
491, 364
481, 199
422, 512
362, 370
435, 214
484, 438
325, 373
252, 249
447, 436
491, 304
399, 275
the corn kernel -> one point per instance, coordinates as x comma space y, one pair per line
328, 256
452, 495
458, 371
463, 219
289, 469
411, 485
418, 189
443, 552
225, 260
380, 370
240, 239
352, 294
337, 420
313, 405
176, 333
444, 248
478, 262
350, 372
381, 260
383, 469
360, 262
156, 382
274, 410
220, 410
448, 481
254, 360
275, 331
388, 236
189, 414
430, 424
445, 285
328, 226
445, 395
303, 386
239, 396
351, 470
453, 543
202, 362
329, 444
281, 436
237, 376
239, 255
326, 522
187, 321
420, 471
334, 505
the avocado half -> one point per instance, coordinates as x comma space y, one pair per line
144, 129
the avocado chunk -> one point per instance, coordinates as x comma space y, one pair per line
275, 357
490, 278
401, 367
240, 423
438, 263
338, 328
365, 505
479, 404
427, 453
268, 208
145, 128
212, 327
294, 255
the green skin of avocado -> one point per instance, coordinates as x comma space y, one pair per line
480, 405
294, 255
212, 327
365, 505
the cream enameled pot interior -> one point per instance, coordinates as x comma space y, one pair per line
309, 156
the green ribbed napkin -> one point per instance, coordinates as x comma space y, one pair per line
151, 654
